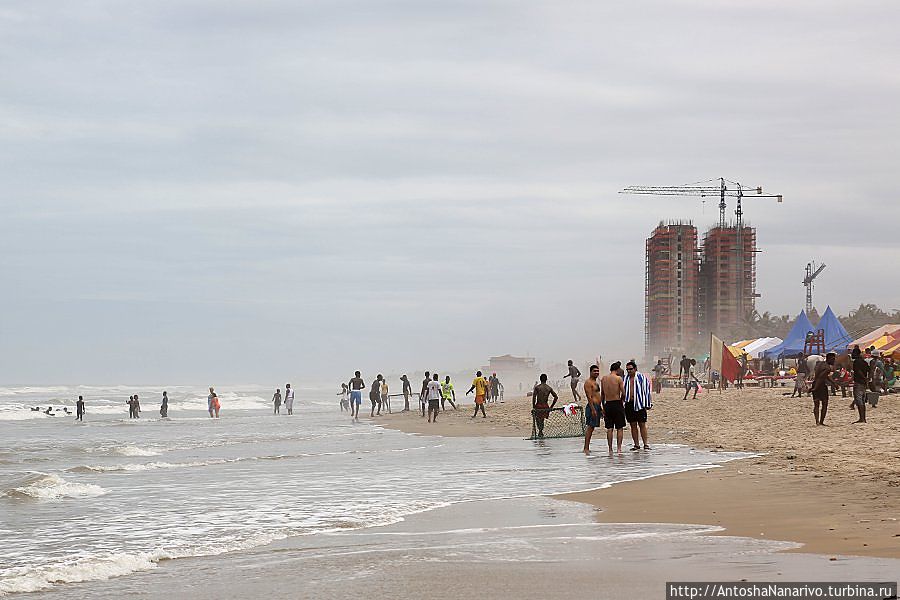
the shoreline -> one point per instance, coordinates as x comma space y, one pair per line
812, 489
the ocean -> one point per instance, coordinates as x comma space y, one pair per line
114, 497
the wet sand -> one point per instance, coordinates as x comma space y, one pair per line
512, 549
834, 489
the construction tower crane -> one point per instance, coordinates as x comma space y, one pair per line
811, 273
704, 189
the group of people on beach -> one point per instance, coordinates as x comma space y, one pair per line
620, 397
434, 394
867, 371
287, 400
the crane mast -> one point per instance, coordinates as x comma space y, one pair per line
811, 273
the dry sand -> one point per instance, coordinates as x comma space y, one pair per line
836, 488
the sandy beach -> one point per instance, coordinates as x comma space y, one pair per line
833, 488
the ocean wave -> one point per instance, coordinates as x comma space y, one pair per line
108, 566
95, 568
133, 451
152, 466
47, 486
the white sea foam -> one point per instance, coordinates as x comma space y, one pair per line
47, 486
134, 451
86, 569
107, 566
152, 466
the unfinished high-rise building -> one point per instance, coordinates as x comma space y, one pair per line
672, 280
727, 279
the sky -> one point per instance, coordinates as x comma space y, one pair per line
196, 191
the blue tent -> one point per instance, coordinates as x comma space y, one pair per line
794, 341
836, 337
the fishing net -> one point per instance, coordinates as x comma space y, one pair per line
557, 423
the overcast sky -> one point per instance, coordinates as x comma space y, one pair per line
203, 191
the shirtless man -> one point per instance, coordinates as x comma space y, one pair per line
423, 395
611, 390
540, 403
356, 386
821, 382
575, 374
407, 392
593, 409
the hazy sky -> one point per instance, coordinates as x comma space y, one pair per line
206, 191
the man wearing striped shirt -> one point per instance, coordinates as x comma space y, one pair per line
637, 401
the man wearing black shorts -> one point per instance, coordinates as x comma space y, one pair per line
821, 381
611, 390
637, 401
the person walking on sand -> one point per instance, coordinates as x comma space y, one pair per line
822, 380
593, 408
860, 383
479, 385
540, 403
434, 398
612, 390
494, 388
448, 394
690, 379
164, 406
289, 398
357, 385
423, 395
637, 402
658, 371
800, 379
276, 399
79, 409
684, 368
407, 392
345, 397
574, 374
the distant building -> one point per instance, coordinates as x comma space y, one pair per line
727, 279
515, 373
671, 304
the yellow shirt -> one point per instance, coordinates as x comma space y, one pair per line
480, 386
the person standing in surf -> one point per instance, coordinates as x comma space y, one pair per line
593, 408
79, 409
637, 401
276, 399
345, 397
289, 398
612, 390
357, 385
164, 407
375, 395
137, 407
540, 403
209, 402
